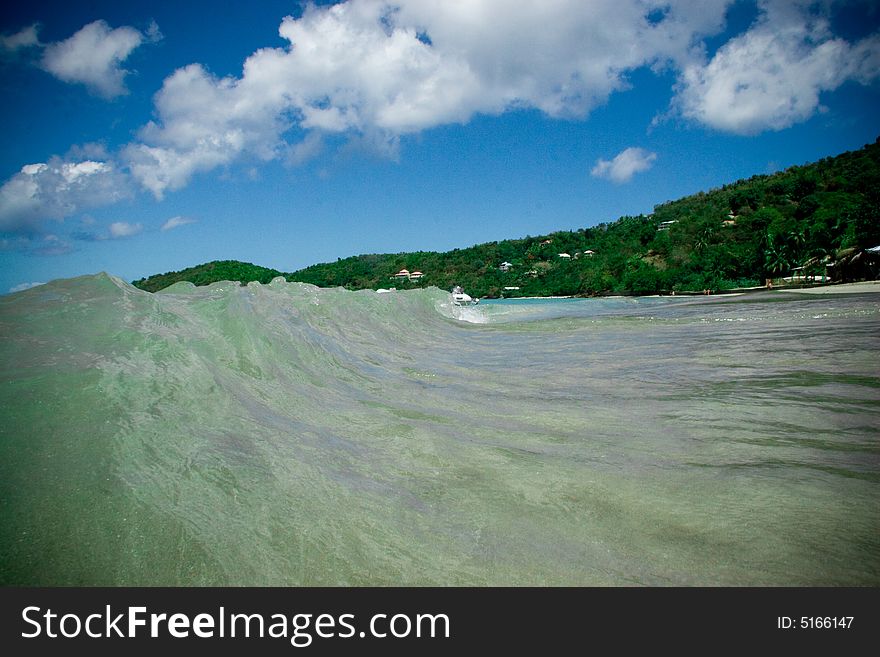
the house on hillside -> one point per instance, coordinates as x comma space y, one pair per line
564, 256
505, 266
666, 225
407, 274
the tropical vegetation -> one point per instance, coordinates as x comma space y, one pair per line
809, 220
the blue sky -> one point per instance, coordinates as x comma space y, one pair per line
144, 137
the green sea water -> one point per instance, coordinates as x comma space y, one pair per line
283, 434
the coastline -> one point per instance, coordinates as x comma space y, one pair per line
860, 287
568, 296
839, 288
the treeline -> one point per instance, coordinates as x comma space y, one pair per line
819, 217
211, 272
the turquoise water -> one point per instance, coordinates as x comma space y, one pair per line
283, 434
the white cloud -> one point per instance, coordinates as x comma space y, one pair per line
93, 56
625, 165
205, 122
374, 71
25, 38
121, 229
160, 169
56, 189
24, 286
174, 222
564, 57
772, 76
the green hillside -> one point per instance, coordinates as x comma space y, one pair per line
819, 216
211, 272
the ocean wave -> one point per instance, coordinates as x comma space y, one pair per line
285, 434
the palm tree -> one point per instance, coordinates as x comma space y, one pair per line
796, 240
776, 256
703, 239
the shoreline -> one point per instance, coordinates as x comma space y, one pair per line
567, 296
859, 287
837, 288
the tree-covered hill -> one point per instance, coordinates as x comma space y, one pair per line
820, 217
210, 272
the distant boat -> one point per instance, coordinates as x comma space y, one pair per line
459, 298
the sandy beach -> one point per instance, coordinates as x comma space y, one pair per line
843, 288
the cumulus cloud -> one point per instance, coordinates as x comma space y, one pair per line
21, 287
25, 38
205, 122
56, 189
93, 56
174, 222
369, 72
772, 76
375, 71
625, 165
